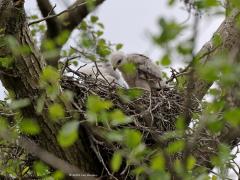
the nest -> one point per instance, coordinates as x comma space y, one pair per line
152, 111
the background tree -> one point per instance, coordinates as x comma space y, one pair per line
77, 125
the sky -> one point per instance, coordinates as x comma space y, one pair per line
132, 22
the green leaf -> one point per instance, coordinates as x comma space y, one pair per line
191, 162
171, 2
95, 104
158, 162
215, 125
62, 38
18, 104
205, 4
101, 25
99, 33
56, 111
40, 168
116, 161
129, 68
223, 156
34, 17
214, 177
102, 49
170, 30
185, 48
139, 170
68, 134
6, 62
118, 117
94, 19
58, 175
83, 25
114, 136
180, 123
175, 146
119, 46
233, 116
129, 94
159, 175
50, 74
86, 41
48, 45
29, 126
132, 138
25, 170
166, 60
53, 91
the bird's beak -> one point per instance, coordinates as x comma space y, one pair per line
114, 68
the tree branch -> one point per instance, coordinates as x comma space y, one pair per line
53, 24
67, 20
72, 18
229, 36
207, 143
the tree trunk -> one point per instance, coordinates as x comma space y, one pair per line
22, 80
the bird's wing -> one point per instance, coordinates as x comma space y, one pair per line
145, 66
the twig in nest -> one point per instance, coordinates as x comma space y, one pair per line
176, 74
101, 74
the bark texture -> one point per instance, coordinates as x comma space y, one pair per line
22, 79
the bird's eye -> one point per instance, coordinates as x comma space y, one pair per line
119, 61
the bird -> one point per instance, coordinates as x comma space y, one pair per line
145, 74
103, 71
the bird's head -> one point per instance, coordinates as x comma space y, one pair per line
117, 59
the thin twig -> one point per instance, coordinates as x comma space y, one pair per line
56, 15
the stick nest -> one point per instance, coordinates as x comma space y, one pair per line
154, 111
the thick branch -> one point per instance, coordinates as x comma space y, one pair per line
72, 18
53, 24
230, 40
68, 21
230, 34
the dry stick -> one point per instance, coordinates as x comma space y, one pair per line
98, 70
56, 15
99, 156
101, 74
51, 11
66, 64
45, 156
185, 70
